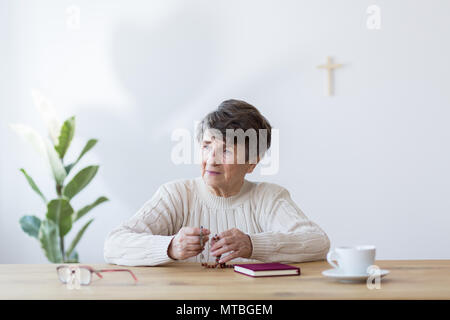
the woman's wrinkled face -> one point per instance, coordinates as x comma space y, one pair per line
220, 167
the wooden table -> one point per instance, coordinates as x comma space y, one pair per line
408, 279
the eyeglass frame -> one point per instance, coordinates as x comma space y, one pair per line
97, 272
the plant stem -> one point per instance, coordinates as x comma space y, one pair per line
61, 242
61, 238
59, 190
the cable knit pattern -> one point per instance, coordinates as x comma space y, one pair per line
279, 230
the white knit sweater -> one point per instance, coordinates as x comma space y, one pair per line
279, 230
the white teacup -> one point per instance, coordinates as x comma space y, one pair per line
352, 259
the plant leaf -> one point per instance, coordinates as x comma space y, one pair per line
73, 258
59, 173
60, 212
78, 237
80, 181
33, 185
49, 239
69, 167
30, 225
89, 145
87, 208
65, 136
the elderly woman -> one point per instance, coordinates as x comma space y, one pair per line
255, 221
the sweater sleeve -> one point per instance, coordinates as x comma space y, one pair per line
143, 240
287, 234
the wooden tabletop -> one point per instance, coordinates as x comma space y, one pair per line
408, 279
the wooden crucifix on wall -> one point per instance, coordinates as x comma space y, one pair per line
330, 66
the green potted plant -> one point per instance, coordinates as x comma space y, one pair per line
60, 216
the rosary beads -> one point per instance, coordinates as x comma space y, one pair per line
217, 264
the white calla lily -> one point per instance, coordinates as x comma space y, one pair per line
48, 114
44, 148
28, 134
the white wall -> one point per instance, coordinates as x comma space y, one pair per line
369, 165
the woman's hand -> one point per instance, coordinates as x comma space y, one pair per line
186, 243
232, 240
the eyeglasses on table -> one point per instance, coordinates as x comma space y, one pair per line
66, 273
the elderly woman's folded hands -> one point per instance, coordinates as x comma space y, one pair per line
186, 244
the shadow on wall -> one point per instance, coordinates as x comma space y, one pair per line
163, 70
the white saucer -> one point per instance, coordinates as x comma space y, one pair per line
338, 275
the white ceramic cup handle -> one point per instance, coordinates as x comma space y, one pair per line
332, 256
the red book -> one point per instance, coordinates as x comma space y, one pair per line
267, 269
